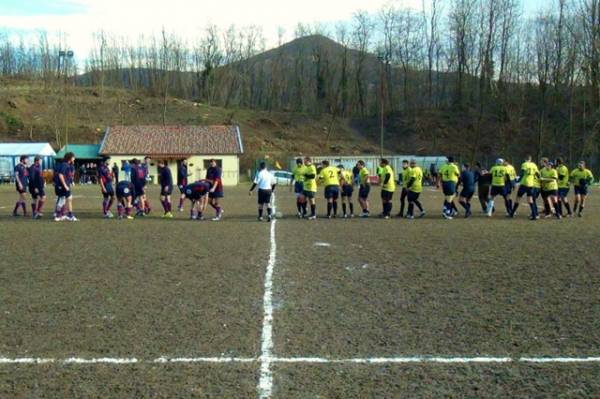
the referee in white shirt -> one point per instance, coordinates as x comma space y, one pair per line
266, 185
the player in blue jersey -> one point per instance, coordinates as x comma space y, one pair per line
467, 181
106, 185
197, 193
22, 183
182, 181
63, 181
166, 188
125, 194
37, 188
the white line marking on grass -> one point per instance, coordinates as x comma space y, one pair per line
70, 360
392, 360
204, 360
265, 383
560, 360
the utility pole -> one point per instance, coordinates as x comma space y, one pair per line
382, 60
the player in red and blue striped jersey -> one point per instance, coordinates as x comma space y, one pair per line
125, 193
36, 188
197, 193
22, 183
64, 176
106, 185
182, 181
214, 175
166, 188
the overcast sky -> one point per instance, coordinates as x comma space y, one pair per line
79, 19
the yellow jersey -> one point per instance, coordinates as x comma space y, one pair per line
537, 182
450, 172
582, 177
329, 176
391, 184
563, 176
347, 177
552, 176
416, 173
363, 176
512, 173
499, 175
405, 177
298, 173
529, 170
310, 183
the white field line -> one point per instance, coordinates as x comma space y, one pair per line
301, 360
265, 383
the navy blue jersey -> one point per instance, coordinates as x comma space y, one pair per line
468, 180
61, 169
166, 178
197, 189
36, 180
105, 175
70, 174
125, 189
22, 173
182, 175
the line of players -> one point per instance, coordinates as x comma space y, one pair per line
130, 193
552, 181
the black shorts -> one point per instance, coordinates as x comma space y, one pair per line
40, 193
563, 192
166, 190
364, 191
449, 188
404, 193
264, 196
524, 190
61, 192
23, 191
298, 187
549, 193
387, 195
332, 192
181, 188
124, 192
468, 194
216, 194
110, 191
498, 190
581, 190
412, 196
309, 194
347, 190
139, 190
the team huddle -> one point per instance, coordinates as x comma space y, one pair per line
552, 181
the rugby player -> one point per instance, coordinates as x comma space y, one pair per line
310, 186
549, 179
415, 188
37, 188
449, 176
146, 169
364, 188
138, 178
22, 183
125, 193
388, 187
500, 181
467, 181
182, 181
563, 187
582, 178
266, 186
484, 180
346, 182
63, 181
331, 181
106, 186
405, 173
166, 188
527, 183
214, 175
510, 184
198, 193
298, 186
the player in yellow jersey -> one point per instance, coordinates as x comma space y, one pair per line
582, 178
298, 185
310, 187
388, 187
415, 188
404, 181
364, 188
331, 181
549, 179
511, 184
563, 187
346, 180
449, 175
500, 179
527, 183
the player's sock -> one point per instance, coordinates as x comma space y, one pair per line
269, 211
411, 209
299, 206
163, 203
515, 207
351, 208
507, 206
568, 206
24, 207
558, 207
70, 214
110, 204
181, 203
260, 212
33, 208
510, 205
313, 210
344, 208
17, 205
575, 207
581, 207
128, 211
192, 212
40, 205
169, 206
453, 206
104, 207
418, 204
329, 206
120, 210
335, 208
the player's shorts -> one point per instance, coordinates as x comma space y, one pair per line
124, 191
61, 192
110, 191
508, 187
549, 193
309, 194
347, 190
298, 188
332, 192
264, 196
40, 193
181, 188
216, 194
524, 190
387, 195
364, 191
166, 190
412, 196
581, 190
563, 192
468, 194
449, 188
23, 191
536, 192
139, 190
498, 190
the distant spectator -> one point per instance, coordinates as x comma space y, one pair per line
126, 171
115, 170
82, 174
433, 174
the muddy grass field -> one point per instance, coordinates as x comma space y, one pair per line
342, 289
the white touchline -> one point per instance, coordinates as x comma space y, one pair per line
392, 360
560, 359
265, 383
204, 360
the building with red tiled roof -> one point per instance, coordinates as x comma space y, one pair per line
195, 144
